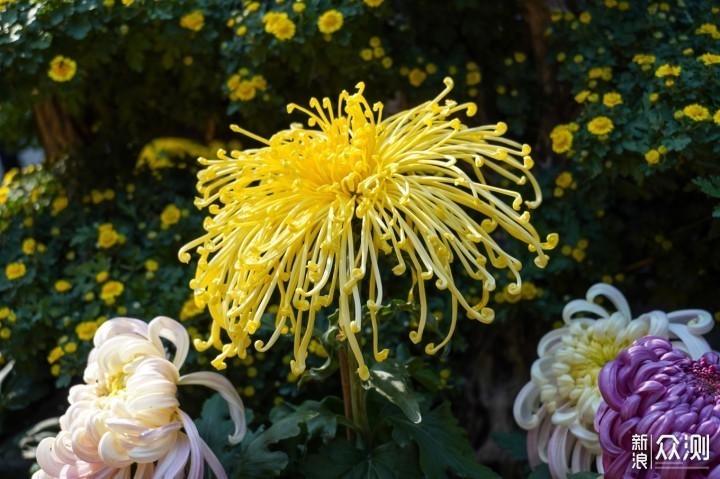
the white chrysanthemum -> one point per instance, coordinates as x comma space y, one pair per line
558, 405
127, 412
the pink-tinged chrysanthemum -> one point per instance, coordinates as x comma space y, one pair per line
653, 389
127, 414
558, 405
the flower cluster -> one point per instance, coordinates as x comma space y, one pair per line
127, 414
559, 404
307, 216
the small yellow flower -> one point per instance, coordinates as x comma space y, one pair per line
668, 70
611, 3
562, 139
189, 310
653, 97
71, 347
55, 370
4, 312
111, 290
582, 96
716, 117
612, 99
430, 68
194, 21
387, 62
252, 7
298, 7
96, 197
283, 28
585, 17
600, 125
15, 270
241, 30
643, 59
170, 215
59, 204
416, 77
696, 112
62, 286
101, 277
245, 91
28, 246
62, 69
564, 179
652, 157
709, 59
55, 354
5, 333
151, 265
708, 29
473, 78
86, 330
330, 21
107, 236
373, 3
366, 54
578, 255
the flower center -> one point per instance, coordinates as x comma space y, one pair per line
705, 379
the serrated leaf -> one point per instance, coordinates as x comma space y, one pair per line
514, 443
214, 426
392, 381
339, 459
257, 460
442, 444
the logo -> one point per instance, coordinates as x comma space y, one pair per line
689, 451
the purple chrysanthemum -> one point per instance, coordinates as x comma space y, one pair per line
652, 389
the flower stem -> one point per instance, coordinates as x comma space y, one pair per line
345, 374
358, 401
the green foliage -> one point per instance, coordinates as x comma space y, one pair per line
392, 381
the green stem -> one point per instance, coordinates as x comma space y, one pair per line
345, 375
358, 400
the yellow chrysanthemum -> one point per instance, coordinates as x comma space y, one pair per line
562, 139
306, 217
111, 290
62, 69
373, 3
416, 77
15, 271
643, 59
612, 99
151, 265
709, 59
708, 29
62, 285
600, 125
696, 112
28, 246
193, 21
330, 21
668, 70
170, 216
107, 236
652, 157
86, 330
716, 117
59, 204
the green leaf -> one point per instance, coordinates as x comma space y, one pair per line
339, 459
392, 381
442, 444
215, 425
514, 443
540, 472
257, 460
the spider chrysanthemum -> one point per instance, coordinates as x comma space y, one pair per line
315, 213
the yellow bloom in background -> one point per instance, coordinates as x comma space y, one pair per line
111, 290
696, 112
600, 125
59, 204
416, 77
373, 3
708, 29
62, 286
151, 265
612, 99
55, 354
189, 310
101, 277
86, 330
643, 59
107, 236
709, 59
170, 216
652, 157
585, 17
127, 3
473, 78
582, 96
193, 21
366, 54
28, 246
70, 347
668, 70
4, 312
307, 216
15, 271
330, 21
299, 7
5, 333
562, 139
62, 69
716, 117
564, 179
